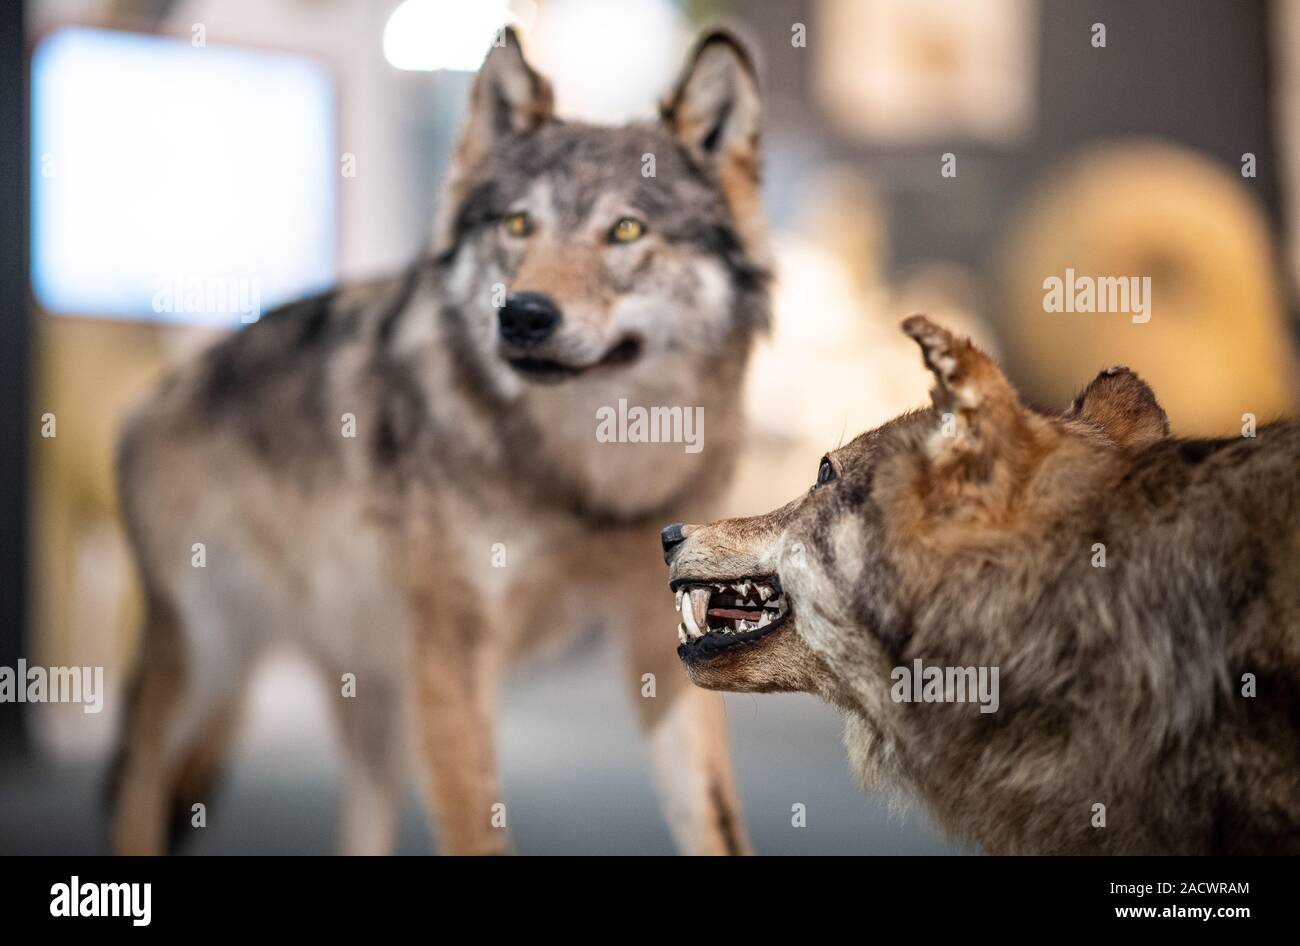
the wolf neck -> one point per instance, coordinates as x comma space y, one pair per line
628, 476
545, 440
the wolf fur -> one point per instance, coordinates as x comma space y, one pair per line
376, 477
1149, 699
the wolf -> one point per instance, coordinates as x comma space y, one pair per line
403, 477
1134, 597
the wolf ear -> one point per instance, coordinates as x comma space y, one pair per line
508, 97
976, 404
1123, 406
984, 441
715, 112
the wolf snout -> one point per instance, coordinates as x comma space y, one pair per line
528, 318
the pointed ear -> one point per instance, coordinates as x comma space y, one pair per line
508, 98
981, 419
715, 112
1123, 406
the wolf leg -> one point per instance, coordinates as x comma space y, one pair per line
370, 725
137, 783
687, 731
458, 744
175, 733
455, 669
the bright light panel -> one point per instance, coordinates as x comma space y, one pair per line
177, 182
428, 35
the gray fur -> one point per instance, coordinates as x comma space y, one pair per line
374, 553
1121, 685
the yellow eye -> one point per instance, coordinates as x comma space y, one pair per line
627, 230
519, 224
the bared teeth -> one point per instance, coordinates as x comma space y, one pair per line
753, 605
699, 607
689, 623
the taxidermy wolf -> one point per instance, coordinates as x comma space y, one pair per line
405, 479
1062, 632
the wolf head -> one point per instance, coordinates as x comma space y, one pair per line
830, 591
577, 253
584, 267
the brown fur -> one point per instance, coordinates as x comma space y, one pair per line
374, 552
966, 535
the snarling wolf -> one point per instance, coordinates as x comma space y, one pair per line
1138, 594
404, 477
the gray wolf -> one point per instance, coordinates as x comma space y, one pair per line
403, 478
1138, 595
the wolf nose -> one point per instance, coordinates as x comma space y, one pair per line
671, 537
528, 318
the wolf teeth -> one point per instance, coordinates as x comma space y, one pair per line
691, 626
763, 596
700, 607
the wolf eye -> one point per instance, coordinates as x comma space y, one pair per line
825, 472
627, 230
519, 224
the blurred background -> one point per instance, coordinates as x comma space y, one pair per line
176, 167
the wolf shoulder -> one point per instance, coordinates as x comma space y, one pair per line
288, 375
1216, 476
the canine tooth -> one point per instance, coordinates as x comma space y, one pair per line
681, 635
700, 607
689, 622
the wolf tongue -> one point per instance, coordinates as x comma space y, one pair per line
700, 606
732, 614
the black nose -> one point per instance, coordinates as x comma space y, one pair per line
671, 537
528, 318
